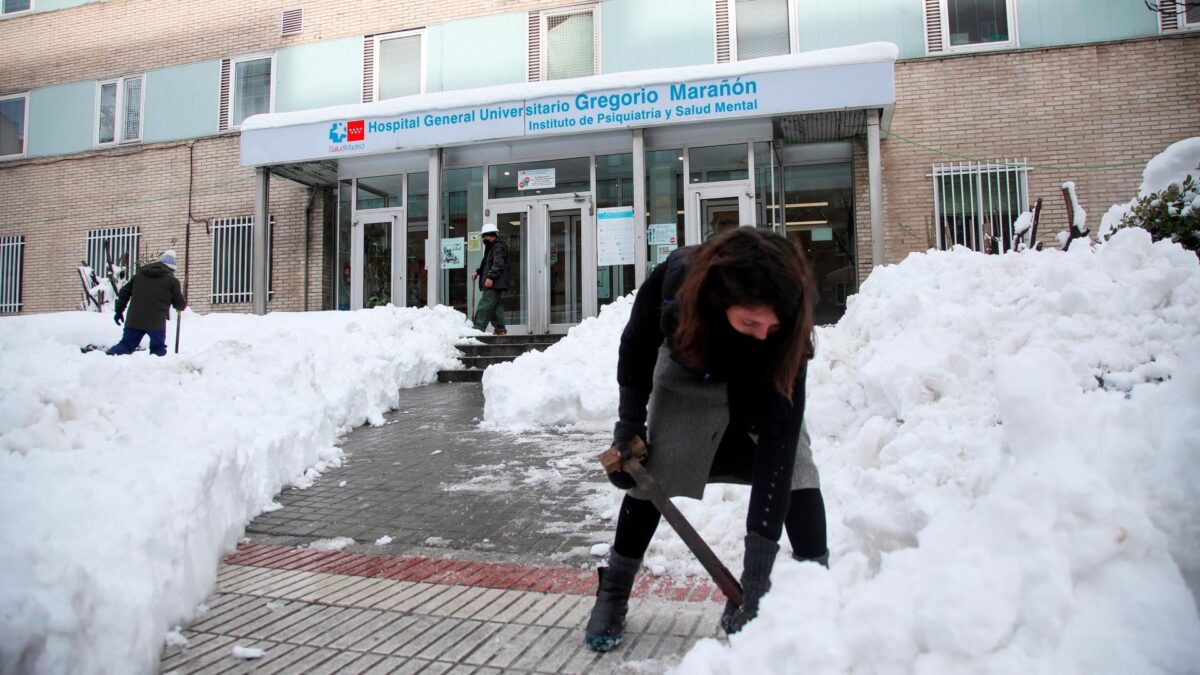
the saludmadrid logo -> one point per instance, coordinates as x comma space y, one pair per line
347, 136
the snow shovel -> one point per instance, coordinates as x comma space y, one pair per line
611, 460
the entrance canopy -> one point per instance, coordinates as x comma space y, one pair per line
826, 81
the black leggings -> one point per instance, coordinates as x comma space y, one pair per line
805, 524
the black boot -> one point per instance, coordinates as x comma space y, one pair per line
822, 560
606, 626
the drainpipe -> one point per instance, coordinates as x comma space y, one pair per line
875, 180
312, 196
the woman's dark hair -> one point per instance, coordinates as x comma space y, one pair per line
748, 267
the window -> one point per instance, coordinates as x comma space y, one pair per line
119, 110
253, 87
14, 117
958, 25
399, 65
16, 6
762, 28
1191, 17
976, 203
12, 257
564, 44
233, 259
115, 246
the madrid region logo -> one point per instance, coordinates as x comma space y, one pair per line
354, 130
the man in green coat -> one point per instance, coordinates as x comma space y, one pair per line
493, 280
153, 290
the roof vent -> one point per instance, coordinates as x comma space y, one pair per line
293, 22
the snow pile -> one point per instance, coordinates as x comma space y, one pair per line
124, 480
1010, 454
576, 378
1170, 166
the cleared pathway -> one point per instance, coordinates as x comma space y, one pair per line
488, 568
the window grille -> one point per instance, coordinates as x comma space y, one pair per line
569, 45
233, 259
291, 22
117, 245
12, 258
721, 30
762, 28
976, 203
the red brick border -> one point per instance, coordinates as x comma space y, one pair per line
565, 580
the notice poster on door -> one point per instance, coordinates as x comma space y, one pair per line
454, 253
661, 233
614, 232
535, 179
662, 252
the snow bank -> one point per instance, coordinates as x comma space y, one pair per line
124, 480
1170, 166
576, 377
1010, 454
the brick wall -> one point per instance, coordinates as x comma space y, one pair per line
55, 202
1097, 104
122, 36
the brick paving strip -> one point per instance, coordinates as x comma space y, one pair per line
339, 612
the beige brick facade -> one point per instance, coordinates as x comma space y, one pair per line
55, 202
115, 37
1113, 103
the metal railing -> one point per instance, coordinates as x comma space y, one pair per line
976, 203
116, 244
233, 259
12, 258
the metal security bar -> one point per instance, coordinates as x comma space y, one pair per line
116, 244
976, 203
12, 258
233, 259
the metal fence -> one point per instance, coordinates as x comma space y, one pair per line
233, 259
118, 244
976, 203
12, 258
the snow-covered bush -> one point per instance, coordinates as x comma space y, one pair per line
1173, 213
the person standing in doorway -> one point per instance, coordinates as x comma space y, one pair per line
153, 290
716, 352
493, 280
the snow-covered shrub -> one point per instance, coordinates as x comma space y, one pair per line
1173, 213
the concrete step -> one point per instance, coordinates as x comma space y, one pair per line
495, 349
447, 376
513, 350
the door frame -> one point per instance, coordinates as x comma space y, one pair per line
693, 228
358, 254
537, 258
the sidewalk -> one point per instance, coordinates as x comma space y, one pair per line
488, 569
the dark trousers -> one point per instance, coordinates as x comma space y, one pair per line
132, 337
489, 309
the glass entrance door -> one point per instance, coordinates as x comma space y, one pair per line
376, 250
713, 209
513, 222
551, 262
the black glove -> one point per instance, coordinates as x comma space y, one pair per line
118, 318
756, 581
631, 424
